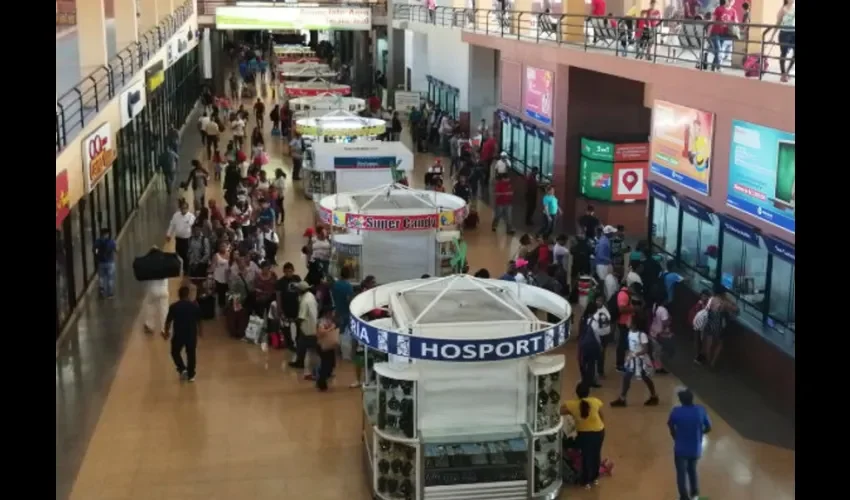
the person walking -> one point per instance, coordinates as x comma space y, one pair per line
688, 423
105, 249
637, 365
180, 228
185, 318
504, 194
590, 427
551, 210
308, 318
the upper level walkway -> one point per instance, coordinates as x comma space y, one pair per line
676, 42
68, 56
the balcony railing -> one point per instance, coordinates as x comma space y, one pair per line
755, 53
77, 107
379, 7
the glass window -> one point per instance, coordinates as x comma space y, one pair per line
518, 147
665, 226
744, 273
698, 252
534, 151
63, 307
89, 233
505, 139
547, 161
782, 306
79, 246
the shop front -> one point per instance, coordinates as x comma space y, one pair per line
444, 96
118, 167
527, 145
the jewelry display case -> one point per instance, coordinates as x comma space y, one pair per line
545, 423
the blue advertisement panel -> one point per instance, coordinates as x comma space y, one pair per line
366, 162
763, 174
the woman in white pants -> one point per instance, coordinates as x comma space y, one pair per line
156, 306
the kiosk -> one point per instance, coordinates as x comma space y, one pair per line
460, 400
322, 104
397, 228
304, 72
312, 88
294, 53
339, 126
341, 167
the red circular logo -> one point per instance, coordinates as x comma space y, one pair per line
97, 145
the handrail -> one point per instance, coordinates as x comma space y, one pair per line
677, 41
379, 7
83, 102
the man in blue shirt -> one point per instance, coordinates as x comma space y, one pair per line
688, 423
105, 249
602, 254
670, 278
551, 210
342, 292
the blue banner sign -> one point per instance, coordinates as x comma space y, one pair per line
460, 350
697, 210
365, 162
780, 249
662, 193
745, 232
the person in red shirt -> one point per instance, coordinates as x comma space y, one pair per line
719, 34
597, 10
503, 210
646, 30
488, 154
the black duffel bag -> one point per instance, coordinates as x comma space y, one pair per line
156, 265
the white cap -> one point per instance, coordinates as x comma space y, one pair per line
609, 229
503, 154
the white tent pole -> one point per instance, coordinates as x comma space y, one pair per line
431, 281
491, 294
432, 303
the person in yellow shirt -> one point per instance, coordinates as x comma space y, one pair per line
587, 413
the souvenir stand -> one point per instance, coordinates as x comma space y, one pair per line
396, 228
312, 88
320, 105
362, 163
460, 401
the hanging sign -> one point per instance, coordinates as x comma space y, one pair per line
331, 131
314, 89
460, 350
447, 219
98, 155
744, 232
364, 163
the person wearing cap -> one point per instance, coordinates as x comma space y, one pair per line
688, 423
502, 165
308, 318
602, 254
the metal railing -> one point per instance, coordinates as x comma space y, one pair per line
755, 52
379, 7
77, 107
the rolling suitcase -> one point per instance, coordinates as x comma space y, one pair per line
207, 305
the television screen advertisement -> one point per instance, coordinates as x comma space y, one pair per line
680, 146
763, 174
539, 88
596, 179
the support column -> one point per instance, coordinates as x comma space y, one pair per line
126, 23
164, 8
91, 33
395, 61
148, 15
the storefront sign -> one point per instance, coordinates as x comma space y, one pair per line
596, 179
743, 231
457, 350
132, 101
697, 210
315, 89
154, 76
405, 100
539, 89
63, 202
629, 181
638, 151
680, 146
293, 18
660, 192
314, 131
780, 249
365, 163
98, 155
181, 42
446, 219
763, 174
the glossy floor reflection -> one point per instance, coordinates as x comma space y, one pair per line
250, 429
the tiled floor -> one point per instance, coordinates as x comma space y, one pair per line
250, 429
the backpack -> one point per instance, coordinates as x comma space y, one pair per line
601, 324
613, 307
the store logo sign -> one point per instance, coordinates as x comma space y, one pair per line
98, 155
63, 200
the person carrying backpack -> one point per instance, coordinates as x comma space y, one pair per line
621, 310
105, 249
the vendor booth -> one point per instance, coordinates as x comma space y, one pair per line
300, 72
395, 227
333, 167
294, 53
312, 88
460, 399
323, 104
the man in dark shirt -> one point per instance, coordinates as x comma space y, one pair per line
105, 249
618, 249
185, 316
588, 223
461, 189
287, 303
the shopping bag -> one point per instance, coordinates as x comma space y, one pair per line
254, 330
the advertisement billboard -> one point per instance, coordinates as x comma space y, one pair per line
596, 179
763, 174
293, 18
597, 150
132, 101
99, 154
680, 146
629, 181
539, 90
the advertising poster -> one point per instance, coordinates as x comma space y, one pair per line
680, 146
596, 179
763, 174
132, 101
539, 90
63, 203
629, 181
154, 76
98, 155
597, 150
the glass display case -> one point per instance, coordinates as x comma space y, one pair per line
475, 459
396, 469
445, 253
372, 357
545, 424
544, 404
345, 252
396, 407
